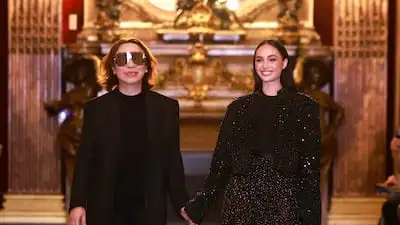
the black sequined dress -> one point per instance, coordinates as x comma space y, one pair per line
266, 163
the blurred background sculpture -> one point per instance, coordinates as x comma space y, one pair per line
289, 23
82, 74
314, 77
107, 19
198, 74
195, 13
227, 18
288, 14
183, 7
197, 18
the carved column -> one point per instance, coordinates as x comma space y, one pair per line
360, 43
89, 13
397, 94
34, 186
89, 31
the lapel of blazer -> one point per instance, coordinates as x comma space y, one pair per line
112, 123
154, 123
153, 156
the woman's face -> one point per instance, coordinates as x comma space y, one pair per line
269, 63
129, 64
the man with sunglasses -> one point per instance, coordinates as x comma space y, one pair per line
390, 208
129, 157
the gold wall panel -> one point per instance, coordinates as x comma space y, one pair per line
397, 93
199, 134
34, 77
360, 39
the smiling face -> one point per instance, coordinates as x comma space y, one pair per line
269, 63
129, 64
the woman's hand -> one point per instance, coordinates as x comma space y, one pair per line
186, 217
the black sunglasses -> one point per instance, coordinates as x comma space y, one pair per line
122, 58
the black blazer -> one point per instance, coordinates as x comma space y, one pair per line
296, 154
94, 178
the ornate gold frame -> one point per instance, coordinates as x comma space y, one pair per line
247, 13
204, 73
142, 19
148, 11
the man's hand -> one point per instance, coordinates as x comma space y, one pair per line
395, 144
77, 216
391, 181
186, 217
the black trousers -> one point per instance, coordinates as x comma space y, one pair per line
131, 213
389, 211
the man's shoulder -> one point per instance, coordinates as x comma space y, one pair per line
98, 100
163, 99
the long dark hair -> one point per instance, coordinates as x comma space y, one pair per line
108, 80
286, 78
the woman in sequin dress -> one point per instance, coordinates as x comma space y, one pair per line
266, 161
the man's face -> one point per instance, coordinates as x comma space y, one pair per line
395, 144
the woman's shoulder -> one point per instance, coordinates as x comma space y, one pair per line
242, 102
305, 104
305, 99
240, 107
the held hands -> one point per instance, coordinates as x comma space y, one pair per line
77, 216
186, 217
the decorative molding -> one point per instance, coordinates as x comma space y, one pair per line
355, 211
248, 12
142, 19
35, 209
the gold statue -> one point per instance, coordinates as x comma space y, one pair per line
195, 15
214, 15
314, 76
108, 14
182, 8
288, 14
228, 19
288, 20
81, 73
198, 74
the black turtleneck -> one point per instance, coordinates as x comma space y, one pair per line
129, 196
266, 133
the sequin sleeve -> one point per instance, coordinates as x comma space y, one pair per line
220, 169
308, 191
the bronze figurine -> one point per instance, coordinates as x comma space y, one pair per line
82, 73
315, 75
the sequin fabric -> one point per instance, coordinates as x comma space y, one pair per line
278, 188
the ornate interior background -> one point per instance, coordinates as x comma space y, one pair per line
356, 31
